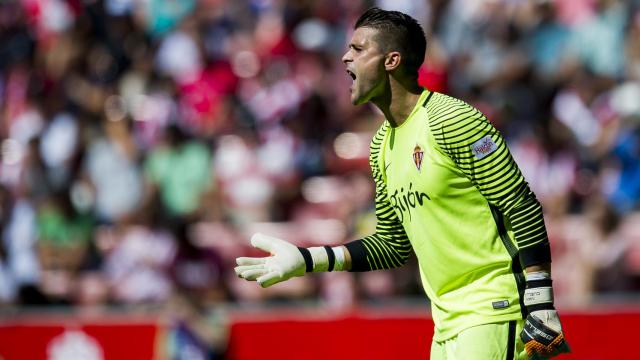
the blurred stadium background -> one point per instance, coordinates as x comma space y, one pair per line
144, 141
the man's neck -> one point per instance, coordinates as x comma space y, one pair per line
399, 102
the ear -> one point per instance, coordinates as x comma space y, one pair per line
392, 60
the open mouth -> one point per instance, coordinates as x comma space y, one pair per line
351, 74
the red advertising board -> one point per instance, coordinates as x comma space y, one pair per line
71, 338
592, 335
291, 334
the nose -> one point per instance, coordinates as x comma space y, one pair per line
347, 57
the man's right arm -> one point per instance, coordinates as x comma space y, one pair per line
388, 247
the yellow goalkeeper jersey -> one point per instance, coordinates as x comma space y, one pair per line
448, 189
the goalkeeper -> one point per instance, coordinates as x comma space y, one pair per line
447, 189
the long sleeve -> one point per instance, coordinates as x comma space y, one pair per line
480, 152
389, 246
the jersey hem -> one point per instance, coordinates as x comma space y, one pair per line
440, 336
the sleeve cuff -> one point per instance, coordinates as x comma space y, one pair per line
358, 255
535, 255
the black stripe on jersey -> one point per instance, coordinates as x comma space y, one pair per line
382, 252
463, 145
503, 158
426, 101
485, 175
511, 341
461, 124
535, 241
373, 258
510, 201
470, 139
455, 126
516, 267
453, 115
389, 246
531, 224
444, 111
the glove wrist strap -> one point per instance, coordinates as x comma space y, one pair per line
331, 257
308, 260
539, 292
323, 258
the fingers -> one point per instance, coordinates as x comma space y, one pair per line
270, 278
263, 242
250, 268
240, 269
255, 269
539, 351
247, 261
253, 274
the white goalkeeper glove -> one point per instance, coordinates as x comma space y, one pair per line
542, 333
286, 261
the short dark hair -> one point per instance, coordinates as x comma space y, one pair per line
399, 32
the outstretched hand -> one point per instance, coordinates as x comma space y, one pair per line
285, 261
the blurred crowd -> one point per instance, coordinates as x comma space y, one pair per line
143, 142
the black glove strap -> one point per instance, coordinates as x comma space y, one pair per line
537, 331
532, 285
539, 283
308, 261
331, 256
543, 306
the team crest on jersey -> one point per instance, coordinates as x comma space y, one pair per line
417, 156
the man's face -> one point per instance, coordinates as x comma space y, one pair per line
365, 65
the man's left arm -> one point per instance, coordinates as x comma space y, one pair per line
481, 153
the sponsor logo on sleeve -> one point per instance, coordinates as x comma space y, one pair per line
483, 147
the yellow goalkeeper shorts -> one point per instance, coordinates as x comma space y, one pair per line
500, 341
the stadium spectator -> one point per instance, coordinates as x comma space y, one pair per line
89, 95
